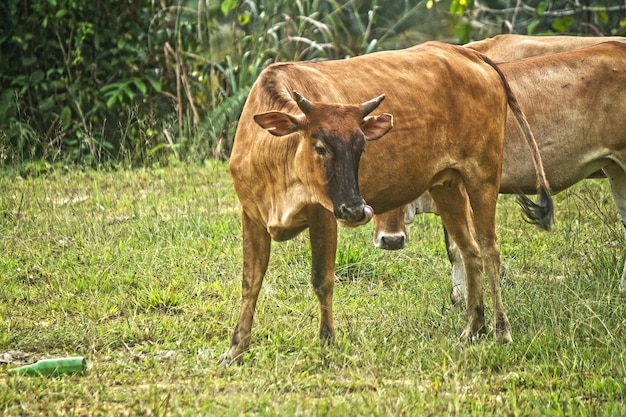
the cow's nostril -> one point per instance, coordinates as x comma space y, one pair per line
353, 216
352, 213
393, 242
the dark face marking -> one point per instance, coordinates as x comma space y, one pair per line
340, 158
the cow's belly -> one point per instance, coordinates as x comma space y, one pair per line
562, 172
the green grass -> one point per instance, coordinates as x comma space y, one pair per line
139, 271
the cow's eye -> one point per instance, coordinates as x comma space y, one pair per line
321, 151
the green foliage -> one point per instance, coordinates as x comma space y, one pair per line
59, 58
542, 17
271, 31
460, 6
141, 82
117, 92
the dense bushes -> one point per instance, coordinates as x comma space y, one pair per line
541, 17
136, 81
78, 82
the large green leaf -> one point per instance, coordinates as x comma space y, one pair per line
563, 24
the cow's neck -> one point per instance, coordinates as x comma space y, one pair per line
280, 198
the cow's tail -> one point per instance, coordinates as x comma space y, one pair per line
542, 212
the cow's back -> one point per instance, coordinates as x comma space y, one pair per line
512, 47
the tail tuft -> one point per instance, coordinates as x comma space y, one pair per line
541, 213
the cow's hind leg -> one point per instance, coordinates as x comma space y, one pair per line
256, 254
456, 214
458, 293
617, 180
483, 196
323, 234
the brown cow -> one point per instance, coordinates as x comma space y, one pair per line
308, 168
389, 228
574, 103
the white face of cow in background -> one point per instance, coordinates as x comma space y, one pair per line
332, 139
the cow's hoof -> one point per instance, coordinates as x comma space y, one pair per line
228, 359
457, 298
473, 332
502, 328
504, 337
226, 362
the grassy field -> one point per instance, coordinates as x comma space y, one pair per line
139, 271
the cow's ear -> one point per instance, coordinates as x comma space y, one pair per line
374, 127
278, 123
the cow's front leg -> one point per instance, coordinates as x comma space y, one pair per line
256, 254
323, 234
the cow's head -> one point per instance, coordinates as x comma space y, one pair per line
332, 138
390, 229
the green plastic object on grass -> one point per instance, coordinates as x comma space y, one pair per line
67, 366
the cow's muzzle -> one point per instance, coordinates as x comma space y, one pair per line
394, 241
353, 216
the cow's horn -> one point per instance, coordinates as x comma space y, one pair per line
305, 105
369, 106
